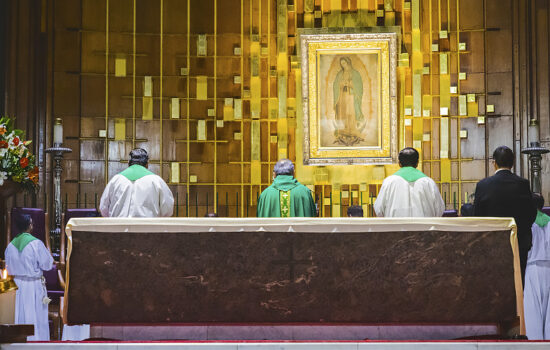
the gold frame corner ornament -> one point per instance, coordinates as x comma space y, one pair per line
385, 46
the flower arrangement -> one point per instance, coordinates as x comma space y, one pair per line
17, 163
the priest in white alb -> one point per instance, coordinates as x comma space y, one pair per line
536, 296
409, 192
136, 191
26, 259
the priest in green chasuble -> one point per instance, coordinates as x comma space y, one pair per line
409, 192
286, 197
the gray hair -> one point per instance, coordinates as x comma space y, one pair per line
284, 167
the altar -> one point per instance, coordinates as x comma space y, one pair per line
206, 274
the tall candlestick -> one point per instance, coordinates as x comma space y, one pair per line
58, 132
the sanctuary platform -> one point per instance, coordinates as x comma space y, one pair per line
265, 278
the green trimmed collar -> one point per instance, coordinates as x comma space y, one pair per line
542, 219
22, 239
410, 174
135, 172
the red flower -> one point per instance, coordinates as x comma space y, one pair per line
16, 141
33, 175
24, 162
3, 144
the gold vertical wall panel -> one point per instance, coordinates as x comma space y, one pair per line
282, 138
120, 66
282, 78
443, 59
174, 172
120, 129
462, 105
417, 95
415, 14
255, 156
202, 87
174, 108
201, 45
444, 91
201, 130
473, 109
147, 108
444, 138
445, 170
238, 109
148, 86
228, 113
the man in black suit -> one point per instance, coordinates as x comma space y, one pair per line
507, 195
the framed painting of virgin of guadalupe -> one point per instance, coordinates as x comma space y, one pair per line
349, 98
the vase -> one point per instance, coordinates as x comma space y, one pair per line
9, 188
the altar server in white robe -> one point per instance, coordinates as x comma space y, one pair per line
26, 259
409, 192
536, 296
137, 192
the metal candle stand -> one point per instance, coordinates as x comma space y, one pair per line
535, 152
55, 232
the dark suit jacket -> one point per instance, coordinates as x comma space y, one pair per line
507, 195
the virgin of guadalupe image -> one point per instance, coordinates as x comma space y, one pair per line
349, 121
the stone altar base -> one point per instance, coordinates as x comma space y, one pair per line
267, 278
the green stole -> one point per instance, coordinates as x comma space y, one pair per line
409, 173
21, 241
136, 172
542, 219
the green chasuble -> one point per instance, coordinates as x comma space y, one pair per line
409, 173
286, 197
135, 172
21, 241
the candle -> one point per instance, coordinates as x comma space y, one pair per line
4, 274
58, 132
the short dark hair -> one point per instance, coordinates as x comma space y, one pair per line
538, 200
504, 157
408, 156
355, 211
138, 156
22, 222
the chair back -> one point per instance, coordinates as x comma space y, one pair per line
450, 213
38, 217
80, 213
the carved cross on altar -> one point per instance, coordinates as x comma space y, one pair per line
291, 262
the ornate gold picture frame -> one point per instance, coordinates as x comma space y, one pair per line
349, 98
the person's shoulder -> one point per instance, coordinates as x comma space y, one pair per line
302, 188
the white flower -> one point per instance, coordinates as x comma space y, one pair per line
3, 152
3, 176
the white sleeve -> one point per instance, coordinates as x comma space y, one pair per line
105, 201
166, 199
45, 259
439, 205
379, 204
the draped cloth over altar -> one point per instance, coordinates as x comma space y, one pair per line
400, 270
